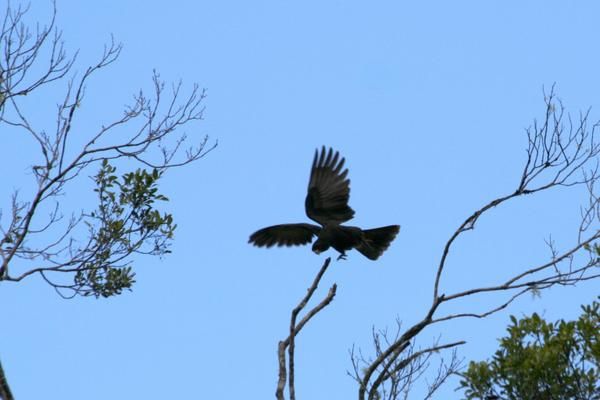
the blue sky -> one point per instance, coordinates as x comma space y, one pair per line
428, 102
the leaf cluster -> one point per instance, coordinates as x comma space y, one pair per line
541, 360
125, 222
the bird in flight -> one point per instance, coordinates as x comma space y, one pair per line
327, 203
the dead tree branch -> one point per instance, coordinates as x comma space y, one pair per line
5, 393
289, 342
404, 366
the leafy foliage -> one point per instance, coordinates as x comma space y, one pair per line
124, 223
541, 360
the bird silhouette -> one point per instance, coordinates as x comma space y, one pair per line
327, 203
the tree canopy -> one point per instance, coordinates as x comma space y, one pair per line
538, 359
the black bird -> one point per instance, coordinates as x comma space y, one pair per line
327, 204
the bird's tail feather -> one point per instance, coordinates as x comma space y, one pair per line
375, 241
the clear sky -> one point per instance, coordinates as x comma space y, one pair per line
428, 102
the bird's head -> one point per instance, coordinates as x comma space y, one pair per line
319, 246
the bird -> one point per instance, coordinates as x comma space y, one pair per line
327, 204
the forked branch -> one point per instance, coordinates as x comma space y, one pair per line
295, 328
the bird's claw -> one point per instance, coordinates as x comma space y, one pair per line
342, 257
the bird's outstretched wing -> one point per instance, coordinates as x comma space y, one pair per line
328, 189
284, 235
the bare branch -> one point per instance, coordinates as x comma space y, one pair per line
5, 393
401, 369
560, 153
23, 53
289, 342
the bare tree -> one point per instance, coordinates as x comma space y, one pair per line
86, 252
562, 153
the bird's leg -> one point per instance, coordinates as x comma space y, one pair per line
342, 256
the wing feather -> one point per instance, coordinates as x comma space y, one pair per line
284, 235
328, 189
